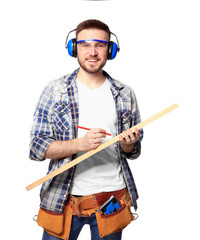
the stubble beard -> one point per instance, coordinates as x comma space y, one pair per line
92, 69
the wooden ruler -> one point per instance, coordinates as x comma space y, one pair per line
101, 147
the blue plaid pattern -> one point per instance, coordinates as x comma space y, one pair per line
56, 118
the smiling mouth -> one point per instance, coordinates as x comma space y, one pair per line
92, 60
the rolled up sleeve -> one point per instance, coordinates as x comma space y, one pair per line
41, 132
136, 119
135, 153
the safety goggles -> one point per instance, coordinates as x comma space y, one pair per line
99, 45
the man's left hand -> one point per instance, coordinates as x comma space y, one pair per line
127, 142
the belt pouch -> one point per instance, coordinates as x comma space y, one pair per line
56, 224
50, 220
117, 221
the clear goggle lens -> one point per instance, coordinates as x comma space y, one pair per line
99, 45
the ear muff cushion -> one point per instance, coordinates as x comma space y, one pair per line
110, 47
112, 50
71, 47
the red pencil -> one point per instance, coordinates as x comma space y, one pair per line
90, 129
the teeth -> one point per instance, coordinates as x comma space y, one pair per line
92, 60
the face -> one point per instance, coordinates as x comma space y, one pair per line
92, 60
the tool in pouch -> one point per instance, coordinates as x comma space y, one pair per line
110, 206
114, 214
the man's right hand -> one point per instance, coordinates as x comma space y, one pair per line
92, 139
62, 149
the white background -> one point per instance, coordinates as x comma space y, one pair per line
159, 59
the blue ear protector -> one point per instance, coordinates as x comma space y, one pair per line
71, 46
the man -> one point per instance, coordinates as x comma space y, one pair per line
88, 97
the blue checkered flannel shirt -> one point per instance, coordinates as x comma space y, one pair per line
56, 118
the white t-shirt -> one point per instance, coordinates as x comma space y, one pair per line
102, 171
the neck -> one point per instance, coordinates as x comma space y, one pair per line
91, 80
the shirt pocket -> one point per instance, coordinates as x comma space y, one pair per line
126, 120
62, 117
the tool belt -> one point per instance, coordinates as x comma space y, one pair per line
59, 224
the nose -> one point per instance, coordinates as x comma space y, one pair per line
93, 50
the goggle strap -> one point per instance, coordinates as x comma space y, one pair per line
90, 40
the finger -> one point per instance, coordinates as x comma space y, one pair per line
97, 141
98, 135
137, 133
95, 146
98, 130
126, 136
93, 133
121, 138
131, 135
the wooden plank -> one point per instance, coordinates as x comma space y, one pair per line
101, 147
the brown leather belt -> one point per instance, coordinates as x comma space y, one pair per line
84, 206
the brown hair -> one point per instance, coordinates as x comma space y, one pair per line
92, 23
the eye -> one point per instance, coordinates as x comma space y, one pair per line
100, 45
85, 45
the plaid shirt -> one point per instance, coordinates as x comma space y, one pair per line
56, 118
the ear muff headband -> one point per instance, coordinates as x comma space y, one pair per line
71, 46
115, 48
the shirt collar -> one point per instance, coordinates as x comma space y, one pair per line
116, 86
71, 78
